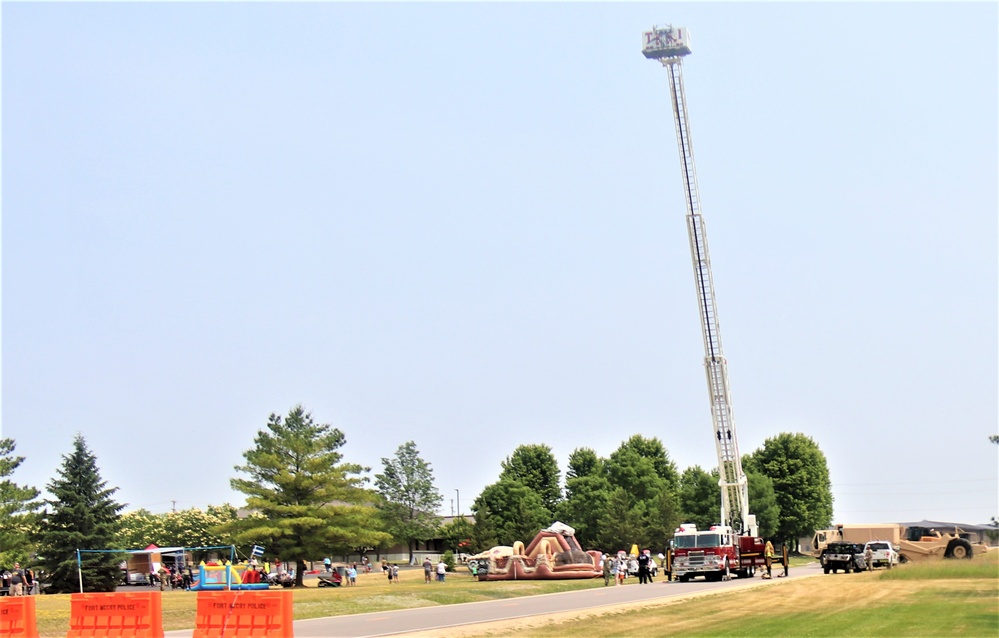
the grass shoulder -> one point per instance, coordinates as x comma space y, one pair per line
926, 599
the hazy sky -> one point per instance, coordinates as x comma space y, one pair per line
463, 225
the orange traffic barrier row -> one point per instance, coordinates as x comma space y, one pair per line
17, 617
236, 614
122, 615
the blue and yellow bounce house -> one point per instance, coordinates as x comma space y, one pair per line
228, 576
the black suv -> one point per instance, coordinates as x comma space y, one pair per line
846, 556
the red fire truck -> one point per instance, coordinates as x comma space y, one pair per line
716, 553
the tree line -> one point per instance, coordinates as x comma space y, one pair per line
306, 500
637, 495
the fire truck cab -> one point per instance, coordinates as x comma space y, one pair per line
711, 553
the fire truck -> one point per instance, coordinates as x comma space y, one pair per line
717, 554
733, 546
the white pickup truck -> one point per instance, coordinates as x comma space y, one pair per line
882, 554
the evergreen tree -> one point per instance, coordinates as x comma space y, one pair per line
308, 499
82, 516
18, 509
410, 498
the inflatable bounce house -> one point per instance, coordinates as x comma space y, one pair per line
554, 554
228, 576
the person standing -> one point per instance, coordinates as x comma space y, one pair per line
17, 580
606, 564
427, 568
352, 575
395, 573
869, 558
620, 569
768, 556
643, 568
327, 564
441, 571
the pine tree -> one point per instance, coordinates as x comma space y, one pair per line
17, 509
308, 500
82, 516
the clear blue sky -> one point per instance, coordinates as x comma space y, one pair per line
462, 224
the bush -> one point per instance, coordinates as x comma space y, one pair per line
448, 559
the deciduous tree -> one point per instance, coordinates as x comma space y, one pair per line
458, 536
535, 467
587, 492
700, 497
763, 503
513, 511
801, 484
191, 527
410, 498
644, 507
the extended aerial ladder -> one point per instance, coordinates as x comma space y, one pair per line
669, 45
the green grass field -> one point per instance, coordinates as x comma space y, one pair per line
934, 599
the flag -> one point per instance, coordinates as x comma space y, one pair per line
257, 551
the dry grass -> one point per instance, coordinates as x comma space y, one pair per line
869, 604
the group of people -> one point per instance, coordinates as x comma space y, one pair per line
173, 577
617, 568
20, 582
429, 569
365, 566
391, 571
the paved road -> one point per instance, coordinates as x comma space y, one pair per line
430, 618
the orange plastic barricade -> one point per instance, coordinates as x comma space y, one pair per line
124, 615
17, 617
244, 613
